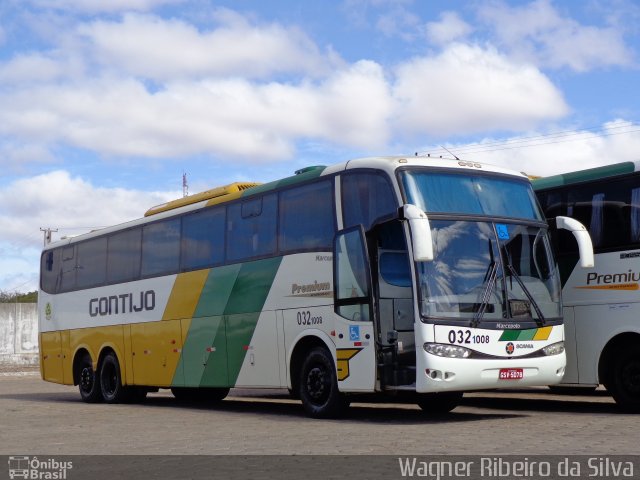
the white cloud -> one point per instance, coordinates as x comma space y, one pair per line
38, 68
468, 89
228, 117
543, 155
58, 200
537, 32
448, 29
97, 6
399, 22
152, 47
156, 88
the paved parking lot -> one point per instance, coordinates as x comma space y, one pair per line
43, 418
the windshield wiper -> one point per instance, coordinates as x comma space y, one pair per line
490, 277
540, 321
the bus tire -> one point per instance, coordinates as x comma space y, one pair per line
439, 402
318, 385
624, 382
199, 394
88, 381
111, 381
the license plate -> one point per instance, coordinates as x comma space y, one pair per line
511, 374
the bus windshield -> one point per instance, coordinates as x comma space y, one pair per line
489, 271
438, 192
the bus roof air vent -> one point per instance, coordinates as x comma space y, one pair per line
310, 169
217, 193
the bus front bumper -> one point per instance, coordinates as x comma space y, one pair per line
465, 374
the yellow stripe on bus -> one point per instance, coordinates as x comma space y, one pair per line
543, 333
185, 295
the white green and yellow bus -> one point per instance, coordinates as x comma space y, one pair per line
395, 274
602, 304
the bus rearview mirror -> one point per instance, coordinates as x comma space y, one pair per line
581, 234
421, 238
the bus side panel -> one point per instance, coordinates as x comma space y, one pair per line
127, 368
204, 355
156, 348
51, 355
67, 357
571, 374
595, 326
96, 339
259, 358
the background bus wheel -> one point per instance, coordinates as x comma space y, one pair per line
88, 382
200, 394
111, 381
440, 402
319, 386
624, 383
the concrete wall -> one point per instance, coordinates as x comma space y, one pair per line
19, 333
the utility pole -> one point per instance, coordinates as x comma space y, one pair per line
47, 234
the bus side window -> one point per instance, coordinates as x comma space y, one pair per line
251, 228
69, 269
92, 263
50, 270
366, 197
124, 250
393, 260
307, 217
161, 247
203, 239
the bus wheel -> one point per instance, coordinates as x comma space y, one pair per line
199, 394
624, 385
88, 382
439, 402
319, 386
111, 381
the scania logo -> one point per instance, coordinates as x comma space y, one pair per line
510, 348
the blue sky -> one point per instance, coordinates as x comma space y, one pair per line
104, 104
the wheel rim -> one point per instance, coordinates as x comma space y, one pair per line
109, 379
318, 384
631, 377
86, 379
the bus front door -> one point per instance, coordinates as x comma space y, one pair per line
353, 300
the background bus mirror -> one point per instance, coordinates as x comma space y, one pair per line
585, 247
420, 233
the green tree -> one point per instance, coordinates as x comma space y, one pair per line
15, 297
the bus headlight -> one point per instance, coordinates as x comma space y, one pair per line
554, 349
449, 351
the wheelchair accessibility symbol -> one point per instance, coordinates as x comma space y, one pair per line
354, 333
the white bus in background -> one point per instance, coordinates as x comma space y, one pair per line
602, 304
393, 274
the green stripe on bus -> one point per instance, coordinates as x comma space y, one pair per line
518, 335
224, 321
509, 336
308, 173
583, 175
243, 309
